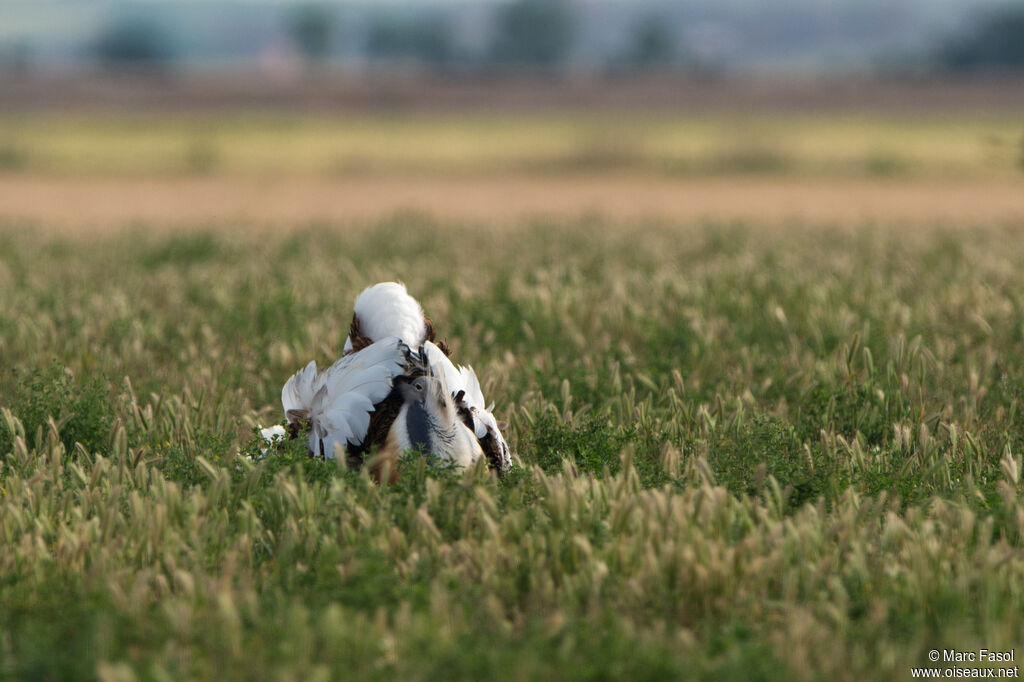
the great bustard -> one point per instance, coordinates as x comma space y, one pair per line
393, 390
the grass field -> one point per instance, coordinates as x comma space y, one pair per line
915, 144
103, 171
743, 452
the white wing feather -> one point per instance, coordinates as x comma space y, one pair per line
272, 435
440, 364
339, 400
299, 391
471, 385
387, 309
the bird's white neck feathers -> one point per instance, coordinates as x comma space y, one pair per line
451, 440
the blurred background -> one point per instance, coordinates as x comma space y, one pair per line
651, 90
282, 40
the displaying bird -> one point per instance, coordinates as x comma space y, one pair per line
393, 390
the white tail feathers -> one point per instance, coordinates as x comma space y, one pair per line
387, 309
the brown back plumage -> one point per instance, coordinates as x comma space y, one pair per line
489, 444
432, 336
383, 416
359, 341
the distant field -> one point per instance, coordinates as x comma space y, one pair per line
928, 145
743, 454
104, 171
496, 202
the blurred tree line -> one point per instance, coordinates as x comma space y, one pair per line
429, 41
996, 42
134, 42
311, 28
536, 35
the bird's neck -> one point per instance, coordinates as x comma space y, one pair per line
427, 431
418, 426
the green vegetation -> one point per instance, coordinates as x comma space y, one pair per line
968, 145
744, 454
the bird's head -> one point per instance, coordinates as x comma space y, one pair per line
430, 392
